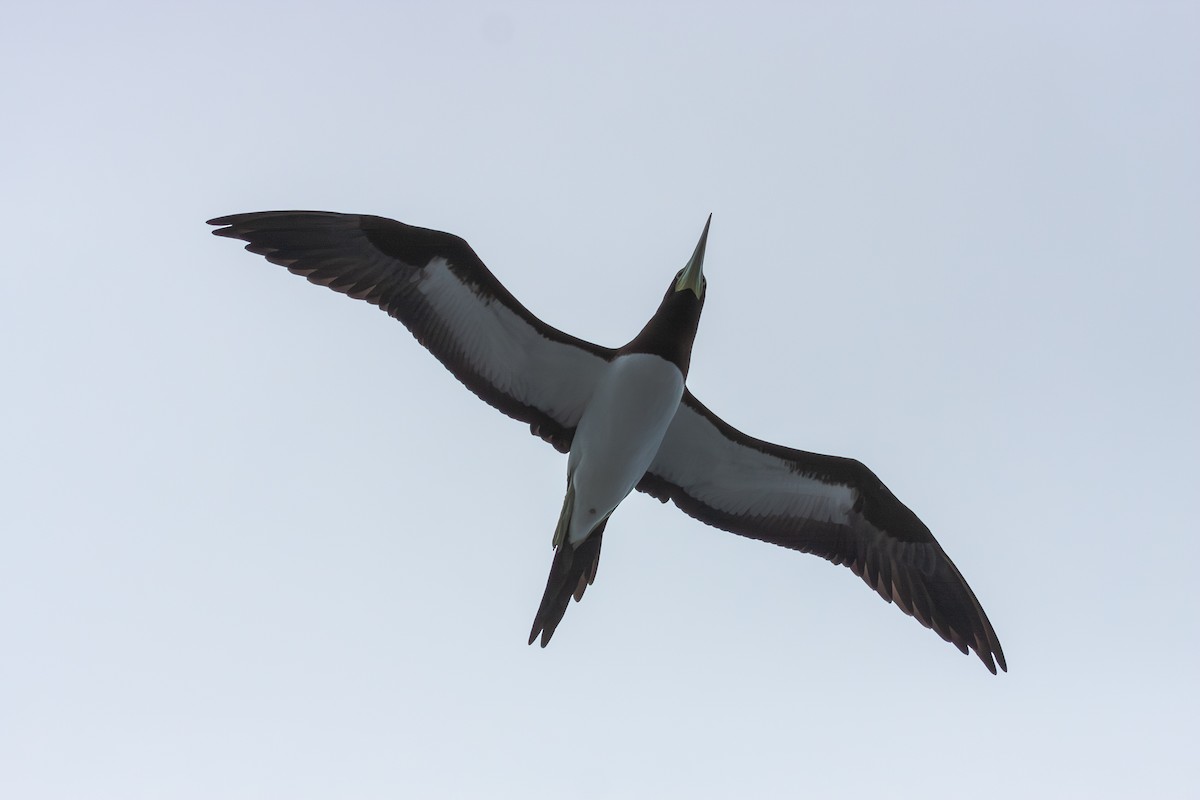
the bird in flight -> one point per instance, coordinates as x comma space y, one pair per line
625, 416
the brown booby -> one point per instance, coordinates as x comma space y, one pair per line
625, 416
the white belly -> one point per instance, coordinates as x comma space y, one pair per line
619, 435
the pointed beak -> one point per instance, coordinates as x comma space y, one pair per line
693, 274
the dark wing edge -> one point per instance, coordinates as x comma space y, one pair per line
881, 540
402, 269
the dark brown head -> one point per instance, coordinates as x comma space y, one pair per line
671, 330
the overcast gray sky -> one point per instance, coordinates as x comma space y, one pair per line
256, 543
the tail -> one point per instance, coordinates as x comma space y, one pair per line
571, 572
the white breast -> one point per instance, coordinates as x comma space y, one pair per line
619, 435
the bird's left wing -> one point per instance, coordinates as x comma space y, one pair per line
435, 284
829, 506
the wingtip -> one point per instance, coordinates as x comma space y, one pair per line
992, 657
225, 226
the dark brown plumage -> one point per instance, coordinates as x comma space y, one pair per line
571, 572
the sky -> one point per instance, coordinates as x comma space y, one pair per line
256, 543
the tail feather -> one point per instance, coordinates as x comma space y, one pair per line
571, 572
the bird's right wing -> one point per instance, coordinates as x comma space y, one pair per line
435, 284
829, 506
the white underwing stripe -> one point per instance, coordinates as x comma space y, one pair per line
515, 358
739, 480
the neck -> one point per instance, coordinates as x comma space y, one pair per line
670, 332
